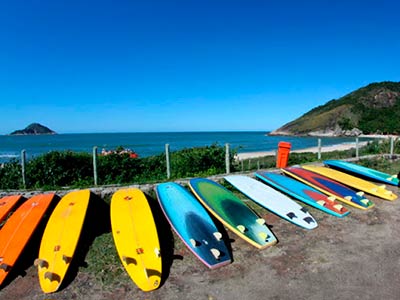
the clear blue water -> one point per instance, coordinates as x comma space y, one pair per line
147, 144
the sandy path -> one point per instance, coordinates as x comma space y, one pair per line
338, 147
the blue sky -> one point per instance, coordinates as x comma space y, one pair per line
210, 65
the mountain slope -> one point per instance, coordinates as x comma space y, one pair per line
33, 129
374, 108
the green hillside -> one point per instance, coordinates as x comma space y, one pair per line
374, 108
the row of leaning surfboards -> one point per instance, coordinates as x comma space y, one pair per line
192, 215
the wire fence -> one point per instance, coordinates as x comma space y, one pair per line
258, 161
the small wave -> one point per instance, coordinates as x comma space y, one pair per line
8, 155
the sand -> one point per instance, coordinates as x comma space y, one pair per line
357, 257
338, 147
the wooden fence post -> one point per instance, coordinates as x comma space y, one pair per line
227, 164
95, 165
391, 146
167, 161
357, 148
23, 163
319, 148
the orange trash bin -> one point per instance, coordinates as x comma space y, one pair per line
283, 154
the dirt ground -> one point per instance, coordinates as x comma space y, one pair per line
357, 257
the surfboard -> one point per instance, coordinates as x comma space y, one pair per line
363, 171
60, 239
354, 182
136, 238
273, 200
193, 224
7, 204
304, 193
330, 187
232, 212
15, 234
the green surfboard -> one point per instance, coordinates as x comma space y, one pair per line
232, 212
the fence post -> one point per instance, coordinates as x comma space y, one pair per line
23, 162
391, 146
357, 148
228, 167
95, 165
319, 148
167, 160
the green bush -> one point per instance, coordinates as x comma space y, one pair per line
59, 169
68, 169
202, 161
10, 175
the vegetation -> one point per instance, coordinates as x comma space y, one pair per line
69, 169
372, 109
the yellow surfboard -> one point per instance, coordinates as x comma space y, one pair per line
354, 182
60, 238
135, 237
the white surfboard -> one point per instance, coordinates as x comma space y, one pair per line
273, 200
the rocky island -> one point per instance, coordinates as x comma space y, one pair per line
33, 129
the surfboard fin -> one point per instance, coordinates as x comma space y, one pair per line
348, 198
321, 202
291, 215
339, 207
66, 259
216, 253
263, 235
365, 201
5, 267
360, 193
217, 235
332, 198
241, 228
129, 260
382, 187
157, 252
52, 276
304, 209
41, 263
260, 221
194, 243
309, 220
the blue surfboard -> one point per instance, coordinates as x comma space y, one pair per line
303, 192
363, 171
330, 187
193, 224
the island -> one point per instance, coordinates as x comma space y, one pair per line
34, 129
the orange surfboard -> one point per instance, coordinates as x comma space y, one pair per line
7, 204
15, 234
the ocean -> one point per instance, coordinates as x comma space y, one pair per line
152, 143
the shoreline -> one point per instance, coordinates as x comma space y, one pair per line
329, 148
